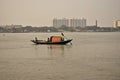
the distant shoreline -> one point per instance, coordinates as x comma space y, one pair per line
30, 29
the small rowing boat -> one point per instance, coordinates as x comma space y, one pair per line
53, 40
47, 42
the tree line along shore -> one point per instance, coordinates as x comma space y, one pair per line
30, 29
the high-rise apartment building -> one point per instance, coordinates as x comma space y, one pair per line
60, 22
83, 23
75, 22
69, 22
78, 22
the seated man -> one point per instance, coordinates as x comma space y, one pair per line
36, 39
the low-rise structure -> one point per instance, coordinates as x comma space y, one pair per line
117, 24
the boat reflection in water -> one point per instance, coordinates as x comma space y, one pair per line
58, 50
50, 52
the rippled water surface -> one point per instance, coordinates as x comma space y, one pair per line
92, 56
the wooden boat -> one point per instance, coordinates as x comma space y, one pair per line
52, 40
47, 42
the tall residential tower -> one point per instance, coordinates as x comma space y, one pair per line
57, 23
69, 22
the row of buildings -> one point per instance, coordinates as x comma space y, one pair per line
57, 23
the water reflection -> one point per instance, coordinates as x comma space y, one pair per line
50, 51
56, 50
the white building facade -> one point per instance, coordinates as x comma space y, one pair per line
117, 24
60, 22
75, 22
83, 23
69, 22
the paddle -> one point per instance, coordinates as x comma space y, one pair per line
65, 37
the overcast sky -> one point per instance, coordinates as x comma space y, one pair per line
42, 12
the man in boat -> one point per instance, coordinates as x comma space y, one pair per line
62, 36
36, 39
48, 40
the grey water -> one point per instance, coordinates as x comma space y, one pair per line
92, 56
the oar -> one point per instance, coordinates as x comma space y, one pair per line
65, 37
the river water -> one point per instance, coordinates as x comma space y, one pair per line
92, 56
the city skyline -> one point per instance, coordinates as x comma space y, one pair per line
75, 22
42, 12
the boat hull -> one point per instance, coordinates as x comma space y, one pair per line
45, 42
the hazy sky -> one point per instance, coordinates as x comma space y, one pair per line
42, 12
